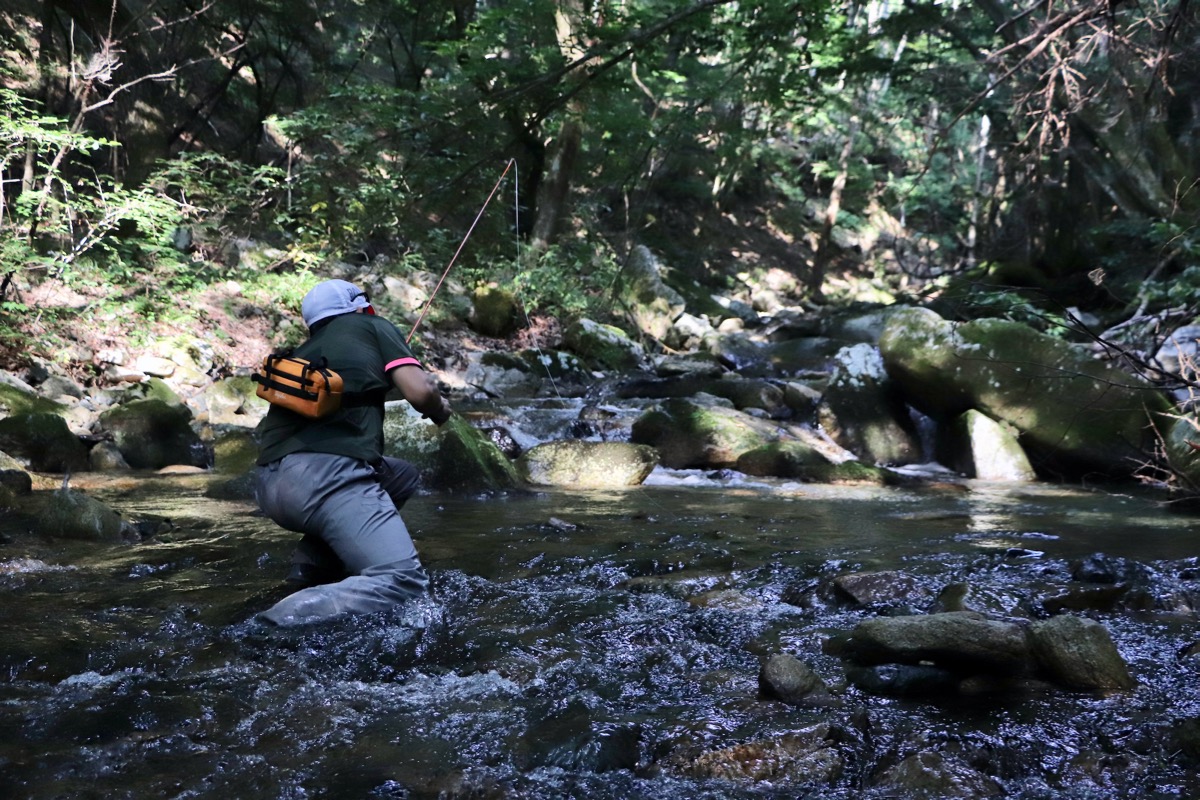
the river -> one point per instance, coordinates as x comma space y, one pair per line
578, 644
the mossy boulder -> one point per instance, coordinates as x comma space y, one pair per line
73, 515
16, 399
232, 401
494, 312
153, 433
468, 461
1072, 411
604, 346
44, 440
650, 302
863, 411
408, 435
784, 459
234, 451
587, 465
688, 434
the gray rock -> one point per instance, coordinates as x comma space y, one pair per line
871, 588
979, 447
961, 641
106, 457
605, 346
688, 434
931, 775
1079, 653
864, 412
652, 304
587, 465
787, 678
73, 515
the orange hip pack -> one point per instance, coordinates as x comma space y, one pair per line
310, 389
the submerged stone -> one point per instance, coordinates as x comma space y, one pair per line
791, 680
807, 756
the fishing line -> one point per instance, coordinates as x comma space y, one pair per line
511, 162
543, 359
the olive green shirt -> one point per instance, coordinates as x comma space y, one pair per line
363, 349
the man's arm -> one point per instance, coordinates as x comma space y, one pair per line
420, 390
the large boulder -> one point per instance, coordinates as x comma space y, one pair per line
18, 397
154, 433
587, 465
863, 412
44, 440
408, 435
1072, 412
790, 458
467, 460
689, 434
69, 514
495, 311
1181, 442
605, 346
232, 401
651, 304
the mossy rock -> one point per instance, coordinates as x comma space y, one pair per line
787, 459
1073, 413
467, 460
154, 433
19, 401
587, 465
689, 435
74, 515
605, 346
234, 451
45, 441
495, 311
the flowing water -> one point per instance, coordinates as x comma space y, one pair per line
577, 645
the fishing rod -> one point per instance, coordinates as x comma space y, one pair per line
462, 244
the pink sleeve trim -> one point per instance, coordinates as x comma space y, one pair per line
402, 362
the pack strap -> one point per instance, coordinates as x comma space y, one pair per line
375, 397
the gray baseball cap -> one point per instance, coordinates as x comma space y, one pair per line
331, 299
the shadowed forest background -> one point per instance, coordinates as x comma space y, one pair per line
1007, 158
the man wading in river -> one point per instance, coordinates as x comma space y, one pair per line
327, 478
